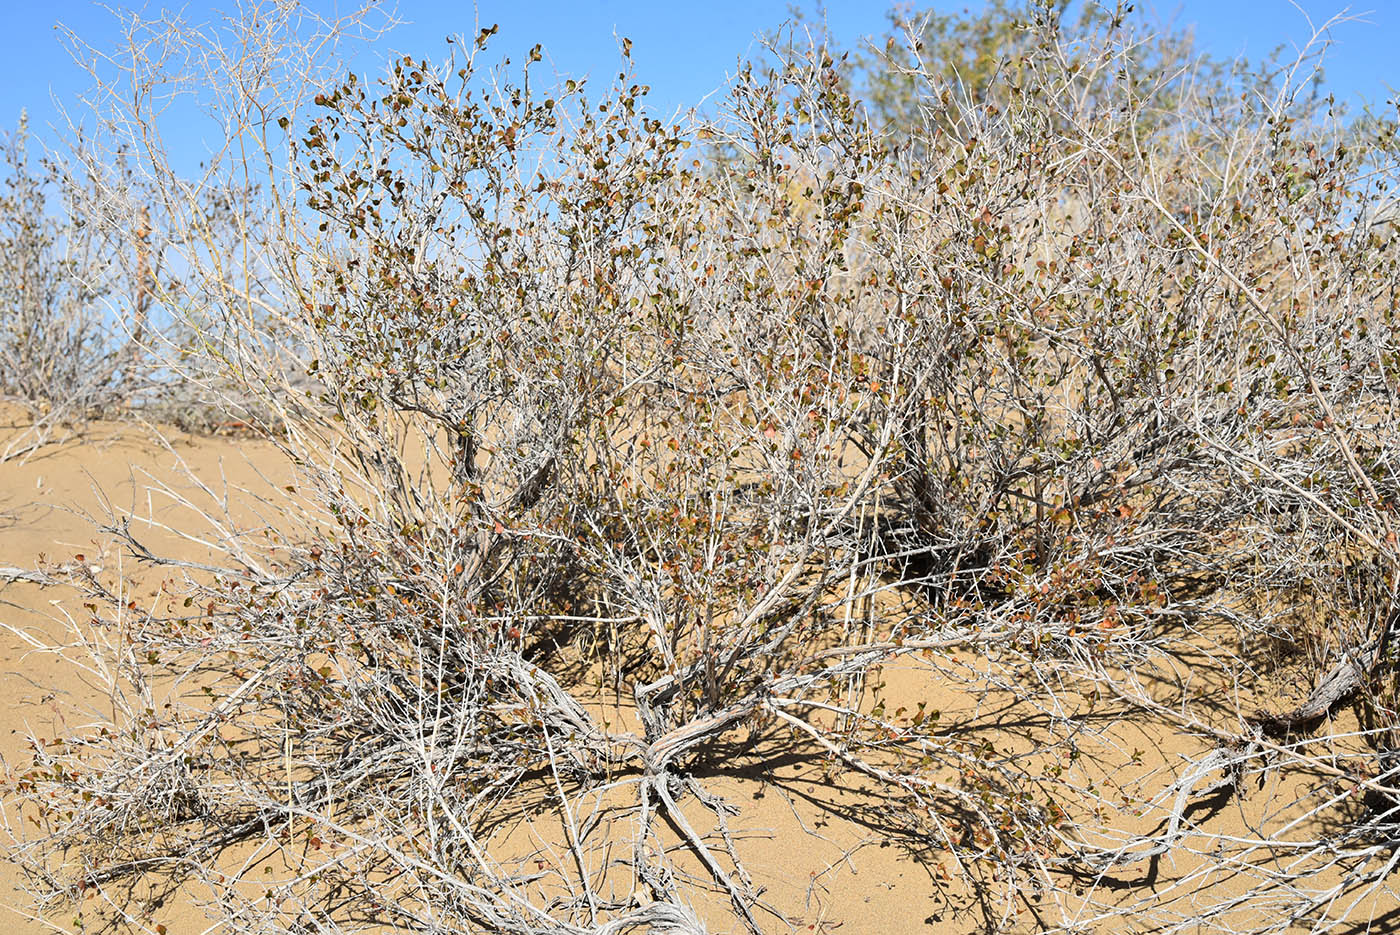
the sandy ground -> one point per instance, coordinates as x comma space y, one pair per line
819, 842
52, 505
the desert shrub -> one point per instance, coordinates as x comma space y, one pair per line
70, 341
608, 455
86, 267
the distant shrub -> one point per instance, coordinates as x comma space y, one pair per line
67, 343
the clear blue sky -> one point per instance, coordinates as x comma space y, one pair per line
684, 50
